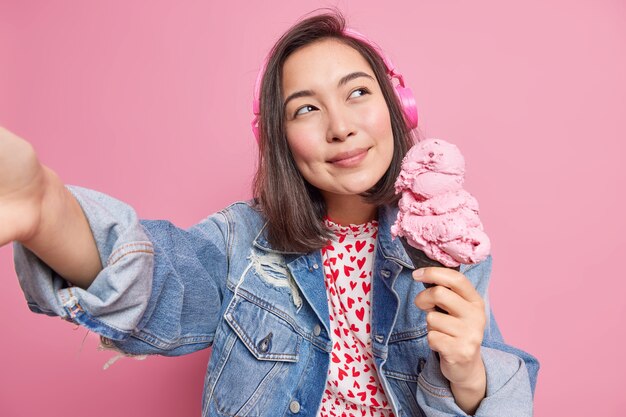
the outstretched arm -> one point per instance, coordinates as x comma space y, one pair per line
37, 210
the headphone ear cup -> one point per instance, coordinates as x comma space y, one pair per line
255, 127
256, 110
407, 100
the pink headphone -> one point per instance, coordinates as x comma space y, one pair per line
405, 95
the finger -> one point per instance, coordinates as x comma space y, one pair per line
449, 278
445, 323
439, 342
444, 298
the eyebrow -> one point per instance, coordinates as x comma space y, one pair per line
343, 81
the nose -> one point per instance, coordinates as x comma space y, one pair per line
340, 126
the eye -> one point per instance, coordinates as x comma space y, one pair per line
308, 108
360, 92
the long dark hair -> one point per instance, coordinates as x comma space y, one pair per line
294, 209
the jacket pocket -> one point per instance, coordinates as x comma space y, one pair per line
267, 336
258, 360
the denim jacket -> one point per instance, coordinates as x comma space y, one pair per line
168, 291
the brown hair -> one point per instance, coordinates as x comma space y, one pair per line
295, 209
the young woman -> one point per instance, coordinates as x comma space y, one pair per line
309, 305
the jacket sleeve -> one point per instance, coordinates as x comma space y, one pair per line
511, 372
156, 280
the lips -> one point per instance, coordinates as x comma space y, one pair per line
347, 155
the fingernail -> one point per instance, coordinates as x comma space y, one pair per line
417, 274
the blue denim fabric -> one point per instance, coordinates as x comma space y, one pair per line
169, 291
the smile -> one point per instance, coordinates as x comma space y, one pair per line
349, 159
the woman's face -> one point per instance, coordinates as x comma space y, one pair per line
337, 121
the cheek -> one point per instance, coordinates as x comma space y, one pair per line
379, 121
301, 146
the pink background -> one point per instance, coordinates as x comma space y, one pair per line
150, 102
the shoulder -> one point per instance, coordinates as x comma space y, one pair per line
240, 217
245, 211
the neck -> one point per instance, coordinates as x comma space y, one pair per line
349, 209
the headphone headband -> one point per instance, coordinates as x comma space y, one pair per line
405, 95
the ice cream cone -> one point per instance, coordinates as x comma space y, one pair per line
420, 260
435, 212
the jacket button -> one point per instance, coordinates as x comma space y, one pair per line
422, 363
385, 273
294, 407
264, 345
317, 330
315, 266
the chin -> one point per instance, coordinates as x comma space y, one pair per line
359, 189
349, 186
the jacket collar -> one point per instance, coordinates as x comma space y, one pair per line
390, 247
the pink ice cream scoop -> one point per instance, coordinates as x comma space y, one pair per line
437, 217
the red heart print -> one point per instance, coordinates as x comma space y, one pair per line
361, 262
353, 285
366, 287
360, 244
342, 374
360, 313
